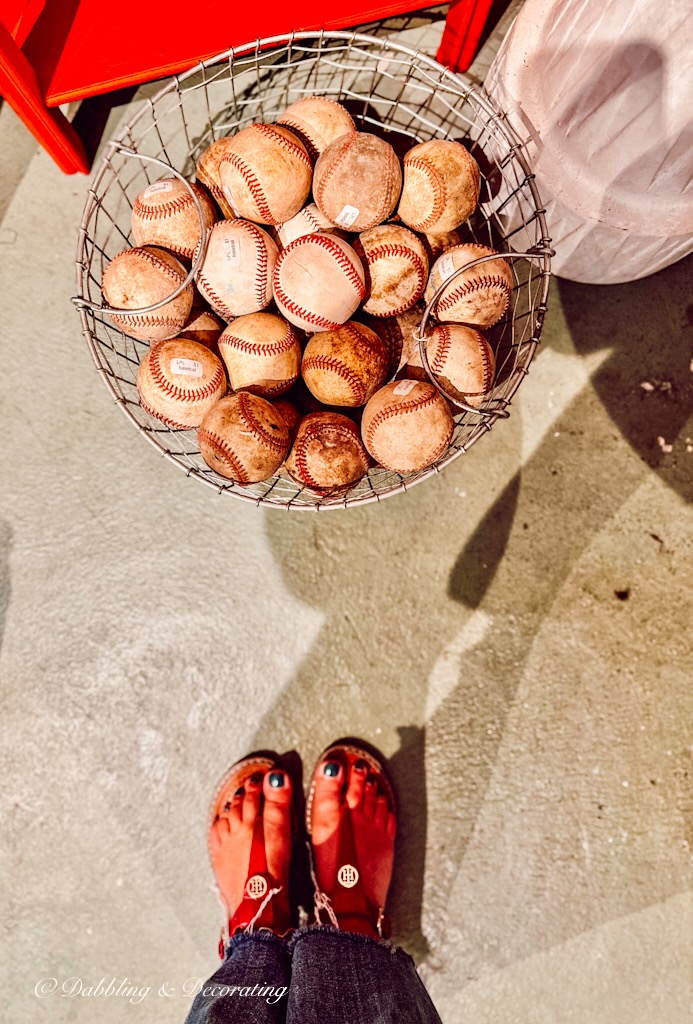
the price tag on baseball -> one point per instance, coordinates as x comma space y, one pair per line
346, 217
446, 266
158, 186
404, 387
232, 251
187, 367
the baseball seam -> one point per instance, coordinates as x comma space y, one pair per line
439, 196
449, 298
329, 244
146, 320
329, 363
330, 169
254, 424
260, 348
437, 364
291, 147
156, 261
252, 184
383, 251
401, 409
213, 298
300, 455
304, 135
386, 198
164, 419
167, 209
222, 449
191, 393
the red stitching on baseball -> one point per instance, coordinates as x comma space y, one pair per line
419, 266
437, 364
167, 209
312, 434
222, 449
205, 286
146, 320
164, 419
420, 164
358, 390
396, 410
328, 243
261, 274
386, 203
319, 192
194, 392
261, 348
252, 184
292, 147
269, 390
150, 257
252, 423
449, 298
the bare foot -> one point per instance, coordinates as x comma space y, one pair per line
351, 791
260, 807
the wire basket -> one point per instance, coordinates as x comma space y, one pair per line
389, 89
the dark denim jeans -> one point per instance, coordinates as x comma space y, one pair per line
319, 976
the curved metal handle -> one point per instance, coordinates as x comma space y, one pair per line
83, 303
495, 407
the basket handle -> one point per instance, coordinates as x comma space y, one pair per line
497, 408
83, 303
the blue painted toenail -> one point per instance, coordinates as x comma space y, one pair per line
276, 780
331, 769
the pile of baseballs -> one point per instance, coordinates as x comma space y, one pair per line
295, 351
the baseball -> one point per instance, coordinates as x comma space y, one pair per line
305, 222
202, 325
318, 282
328, 454
396, 268
357, 181
436, 245
179, 381
140, 277
290, 414
207, 173
407, 425
265, 174
262, 354
345, 366
165, 214
441, 186
462, 361
243, 438
236, 274
479, 296
317, 121
396, 332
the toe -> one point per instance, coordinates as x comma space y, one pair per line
252, 798
218, 832
327, 795
357, 784
381, 812
369, 797
276, 789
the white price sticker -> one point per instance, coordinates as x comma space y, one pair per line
157, 187
347, 216
232, 251
404, 387
187, 367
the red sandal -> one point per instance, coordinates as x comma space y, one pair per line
347, 904
265, 904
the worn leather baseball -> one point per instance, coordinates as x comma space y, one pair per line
479, 296
265, 174
435, 245
262, 354
441, 186
357, 181
207, 173
396, 268
328, 454
345, 366
317, 121
179, 381
140, 277
236, 274
396, 332
291, 415
203, 325
307, 221
165, 214
318, 282
243, 438
462, 362
407, 425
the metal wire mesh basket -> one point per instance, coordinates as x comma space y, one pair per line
389, 89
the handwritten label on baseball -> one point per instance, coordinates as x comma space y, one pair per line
446, 267
347, 216
158, 186
404, 387
187, 367
232, 250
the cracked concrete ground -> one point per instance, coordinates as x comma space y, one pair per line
514, 633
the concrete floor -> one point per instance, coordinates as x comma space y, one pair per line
515, 633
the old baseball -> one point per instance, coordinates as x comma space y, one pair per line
328, 454
345, 366
165, 214
396, 332
436, 245
243, 438
291, 415
265, 174
140, 277
407, 425
207, 173
462, 361
441, 186
396, 268
307, 221
357, 181
478, 296
262, 354
179, 381
236, 274
318, 282
203, 325
317, 121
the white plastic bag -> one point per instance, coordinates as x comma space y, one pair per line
600, 93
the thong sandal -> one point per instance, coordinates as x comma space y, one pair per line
348, 904
265, 904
